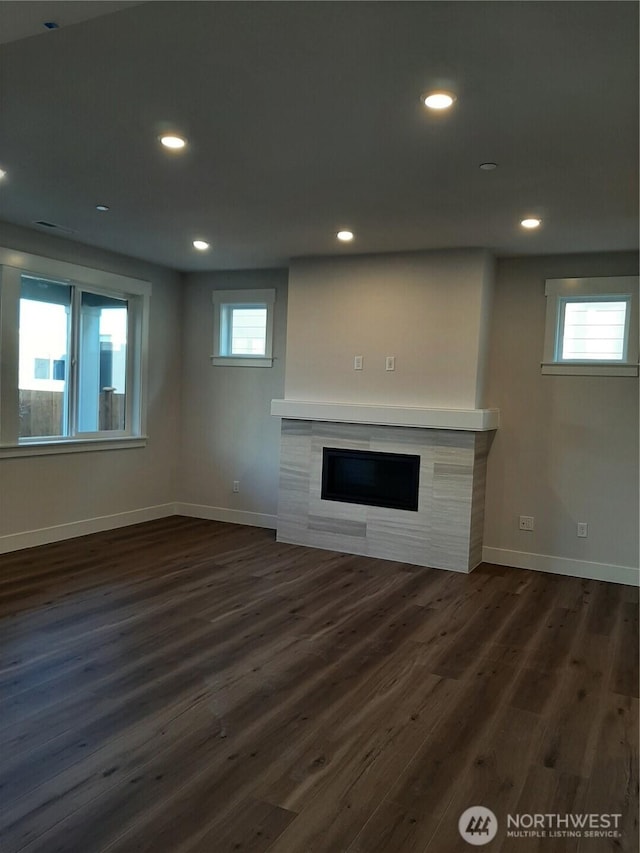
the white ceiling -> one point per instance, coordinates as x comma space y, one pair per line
304, 117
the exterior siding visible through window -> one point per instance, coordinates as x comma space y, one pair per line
243, 328
591, 327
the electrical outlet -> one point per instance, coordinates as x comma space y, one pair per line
526, 522
357, 362
390, 362
236, 485
583, 529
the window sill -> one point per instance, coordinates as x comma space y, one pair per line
591, 369
71, 445
239, 361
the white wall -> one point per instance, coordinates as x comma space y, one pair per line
228, 431
428, 309
65, 489
567, 447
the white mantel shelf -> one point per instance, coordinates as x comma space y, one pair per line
476, 420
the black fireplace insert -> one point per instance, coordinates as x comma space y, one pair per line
371, 478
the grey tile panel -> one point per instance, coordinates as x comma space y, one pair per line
445, 532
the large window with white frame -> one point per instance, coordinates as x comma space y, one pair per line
591, 326
73, 352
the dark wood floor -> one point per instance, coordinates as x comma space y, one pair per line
186, 685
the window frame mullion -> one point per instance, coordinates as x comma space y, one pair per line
71, 413
10, 279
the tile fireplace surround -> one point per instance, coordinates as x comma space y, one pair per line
445, 532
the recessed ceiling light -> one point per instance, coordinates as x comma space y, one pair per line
173, 141
2, 174
438, 100
488, 167
102, 208
200, 245
345, 236
531, 222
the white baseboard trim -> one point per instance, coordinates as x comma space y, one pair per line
562, 566
500, 556
232, 516
45, 535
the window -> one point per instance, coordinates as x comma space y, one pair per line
246, 330
44, 312
41, 369
593, 329
243, 327
72, 350
591, 326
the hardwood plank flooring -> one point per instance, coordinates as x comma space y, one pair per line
187, 686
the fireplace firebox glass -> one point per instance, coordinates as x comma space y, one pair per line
370, 478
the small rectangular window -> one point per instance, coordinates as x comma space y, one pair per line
248, 330
593, 329
591, 326
42, 368
243, 328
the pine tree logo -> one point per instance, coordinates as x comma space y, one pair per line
478, 825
